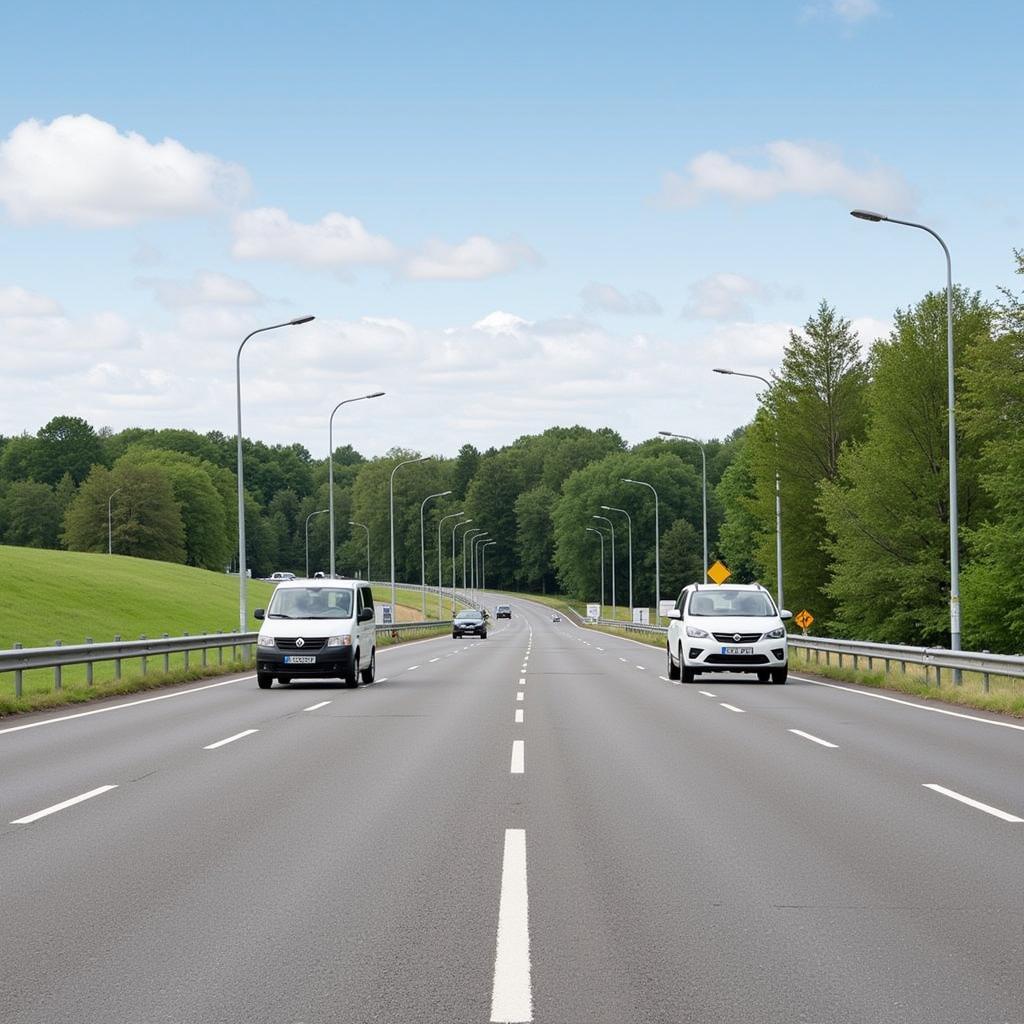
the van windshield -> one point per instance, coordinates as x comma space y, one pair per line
311, 603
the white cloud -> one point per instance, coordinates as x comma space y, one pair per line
869, 329
475, 258
730, 297
787, 168
207, 288
82, 171
608, 298
335, 240
852, 11
17, 302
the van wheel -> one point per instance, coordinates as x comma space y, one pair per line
351, 676
673, 669
264, 680
779, 674
370, 672
284, 680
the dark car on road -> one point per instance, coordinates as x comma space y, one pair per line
469, 623
503, 611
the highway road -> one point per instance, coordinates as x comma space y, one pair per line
539, 826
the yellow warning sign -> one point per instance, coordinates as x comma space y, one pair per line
719, 573
803, 619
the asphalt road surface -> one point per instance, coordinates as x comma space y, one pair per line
539, 826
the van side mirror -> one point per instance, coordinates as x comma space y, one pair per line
259, 613
366, 615
675, 613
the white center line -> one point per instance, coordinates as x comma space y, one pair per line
432, 660
601, 649
316, 707
707, 693
511, 993
412, 668
519, 696
814, 739
622, 659
230, 739
987, 808
731, 707
519, 716
518, 766
29, 818
665, 679
522, 682
642, 668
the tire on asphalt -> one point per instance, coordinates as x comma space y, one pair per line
763, 675
370, 672
673, 669
264, 680
779, 674
687, 675
351, 676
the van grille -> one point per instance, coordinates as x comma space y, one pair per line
309, 643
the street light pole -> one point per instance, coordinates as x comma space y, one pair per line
110, 534
483, 564
703, 487
465, 522
310, 516
629, 522
474, 566
778, 497
423, 550
367, 529
453, 515
391, 514
330, 466
657, 549
465, 538
954, 514
594, 529
611, 526
242, 611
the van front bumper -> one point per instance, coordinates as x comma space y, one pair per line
330, 661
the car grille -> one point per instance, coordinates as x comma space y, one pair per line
309, 643
737, 638
736, 659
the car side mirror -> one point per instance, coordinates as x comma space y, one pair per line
675, 613
366, 615
784, 614
260, 613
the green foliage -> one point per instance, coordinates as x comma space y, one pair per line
31, 515
535, 537
67, 444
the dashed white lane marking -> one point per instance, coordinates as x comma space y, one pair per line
432, 660
601, 649
522, 681
622, 660
707, 693
814, 739
383, 679
518, 766
519, 696
29, 818
519, 716
643, 668
316, 707
230, 739
731, 707
987, 808
511, 993
412, 668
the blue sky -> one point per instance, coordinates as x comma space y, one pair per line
506, 216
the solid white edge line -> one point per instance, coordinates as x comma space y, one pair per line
519, 716
814, 739
518, 765
732, 707
987, 808
911, 704
29, 818
316, 707
511, 992
230, 739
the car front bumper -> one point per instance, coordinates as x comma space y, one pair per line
709, 655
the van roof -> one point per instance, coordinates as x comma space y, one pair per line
337, 583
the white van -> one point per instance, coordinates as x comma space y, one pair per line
317, 629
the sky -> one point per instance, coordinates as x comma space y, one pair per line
505, 216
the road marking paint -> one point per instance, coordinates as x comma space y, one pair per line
707, 693
622, 659
814, 739
382, 679
522, 682
642, 668
29, 818
519, 716
520, 695
987, 808
432, 660
665, 679
316, 707
731, 707
601, 649
230, 739
511, 993
518, 766
412, 668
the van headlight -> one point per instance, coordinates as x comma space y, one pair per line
264, 640
695, 632
339, 641
775, 634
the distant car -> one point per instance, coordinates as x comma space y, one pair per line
281, 577
503, 611
318, 575
469, 622
555, 617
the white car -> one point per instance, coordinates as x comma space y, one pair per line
280, 577
734, 628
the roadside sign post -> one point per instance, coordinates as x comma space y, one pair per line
804, 619
719, 573
593, 612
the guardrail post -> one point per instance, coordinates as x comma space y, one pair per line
220, 649
88, 666
984, 681
56, 668
145, 660
204, 657
17, 675
186, 654
117, 661
167, 657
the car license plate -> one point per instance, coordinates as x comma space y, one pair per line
737, 650
300, 659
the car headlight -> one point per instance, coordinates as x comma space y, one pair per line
775, 634
694, 631
339, 641
263, 640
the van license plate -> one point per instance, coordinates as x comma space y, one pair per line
737, 650
299, 659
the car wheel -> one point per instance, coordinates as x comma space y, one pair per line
763, 675
370, 672
673, 669
687, 675
351, 676
284, 680
779, 674
483, 635
264, 680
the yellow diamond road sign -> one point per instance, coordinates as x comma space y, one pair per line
804, 619
719, 573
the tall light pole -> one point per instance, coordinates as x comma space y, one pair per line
594, 529
367, 529
954, 516
110, 534
657, 549
483, 563
453, 515
330, 466
423, 549
242, 611
474, 562
457, 526
465, 538
391, 515
703, 487
629, 523
778, 497
611, 526
318, 512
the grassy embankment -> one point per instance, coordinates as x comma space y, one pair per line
71, 595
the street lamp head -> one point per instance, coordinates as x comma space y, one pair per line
442, 494
607, 508
301, 320
376, 394
717, 369
667, 433
868, 215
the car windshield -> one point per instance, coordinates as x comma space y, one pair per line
468, 615
311, 603
732, 604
